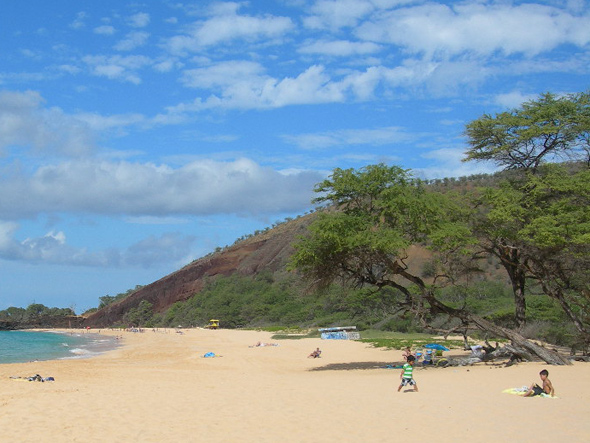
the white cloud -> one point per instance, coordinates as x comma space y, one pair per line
104, 30
513, 99
140, 189
226, 74
100, 123
341, 48
132, 40
78, 22
25, 123
53, 249
226, 25
245, 85
167, 64
117, 67
479, 28
139, 20
335, 14
70, 69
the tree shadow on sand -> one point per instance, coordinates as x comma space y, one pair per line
355, 366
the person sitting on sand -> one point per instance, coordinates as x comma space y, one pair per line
547, 388
407, 374
315, 354
407, 352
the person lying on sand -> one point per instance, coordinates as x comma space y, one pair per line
547, 388
262, 344
35, 377
315, 354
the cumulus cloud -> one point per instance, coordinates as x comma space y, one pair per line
139, 20
135, 189
25, 123
246, 85
479, 28
336, 14
117, 67
513, 99
53, 249
340, 48
132, 40
226, 25
104, 30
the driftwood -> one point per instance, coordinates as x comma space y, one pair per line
521, 347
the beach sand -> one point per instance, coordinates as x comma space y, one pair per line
157, 387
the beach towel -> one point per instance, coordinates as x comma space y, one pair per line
394, 367
523, 390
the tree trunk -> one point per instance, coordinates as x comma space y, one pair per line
558, 295
510, 258
518, 341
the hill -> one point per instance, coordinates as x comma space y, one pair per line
268, 251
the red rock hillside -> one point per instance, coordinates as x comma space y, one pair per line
267, 251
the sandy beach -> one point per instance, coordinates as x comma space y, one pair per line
157, 387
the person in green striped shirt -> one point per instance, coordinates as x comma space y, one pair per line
407, 374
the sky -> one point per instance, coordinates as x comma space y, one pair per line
138, 136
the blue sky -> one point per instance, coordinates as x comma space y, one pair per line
136, 137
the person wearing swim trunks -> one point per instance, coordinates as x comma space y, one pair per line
547, 387
406, 375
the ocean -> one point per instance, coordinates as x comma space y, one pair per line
24, 346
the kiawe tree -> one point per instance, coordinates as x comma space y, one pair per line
362, 237
524, 140
551, 128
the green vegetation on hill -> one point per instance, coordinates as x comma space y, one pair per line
267, 300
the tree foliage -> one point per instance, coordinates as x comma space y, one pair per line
375, 215
550, 128
362, 238
536, 222
33, 312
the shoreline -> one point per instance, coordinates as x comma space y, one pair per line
158, 387
77, 344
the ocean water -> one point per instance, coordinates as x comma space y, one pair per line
24, 346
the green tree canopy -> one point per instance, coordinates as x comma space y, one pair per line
362, 238
536, 222
375, 215
550, 128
